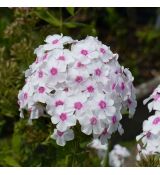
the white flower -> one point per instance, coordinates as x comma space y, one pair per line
104, 136
99, 71
64, 118
56, 74
56, 41
85, 50
118, 155
77, 77
113, 122
153, 123
91, 122
105, 53
41, 94
62, 137
25, 95
77, 103
103, 102
155, 96
55, 100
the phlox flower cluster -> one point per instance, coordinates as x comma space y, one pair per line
150, 137
77, 82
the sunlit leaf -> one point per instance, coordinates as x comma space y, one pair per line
45, 15
70, 10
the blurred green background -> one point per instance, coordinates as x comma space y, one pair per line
134, 33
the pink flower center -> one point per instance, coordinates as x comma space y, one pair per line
90, 89
84, 52
79, 79
93, 121
98, 72
113, 86
59, 133
55, 41
65, 89
62, 58
122, 86
148, 134
156, 120
54, 71
104, 132
25, 96
129, 102
63, 116
114, 119
102, 50
78, 105
79, 64
41, 89
102, 104
59, 103
40, 74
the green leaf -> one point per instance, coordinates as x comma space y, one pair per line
16, 142
45, 15
70, 10
11, 161
74, 24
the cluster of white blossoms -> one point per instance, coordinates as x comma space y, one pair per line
150, 137
78, 82
116, 157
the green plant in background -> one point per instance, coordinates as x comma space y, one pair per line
149, 161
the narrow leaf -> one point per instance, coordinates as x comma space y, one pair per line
70, 10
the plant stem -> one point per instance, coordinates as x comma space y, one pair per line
106, 158
76, 147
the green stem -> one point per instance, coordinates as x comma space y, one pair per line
76, 148
106, 158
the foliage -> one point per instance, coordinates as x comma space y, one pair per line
149, 161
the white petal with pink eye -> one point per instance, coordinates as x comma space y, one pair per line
62, 137
53, 38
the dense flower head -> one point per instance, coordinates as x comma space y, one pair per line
78, 82
150, 137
